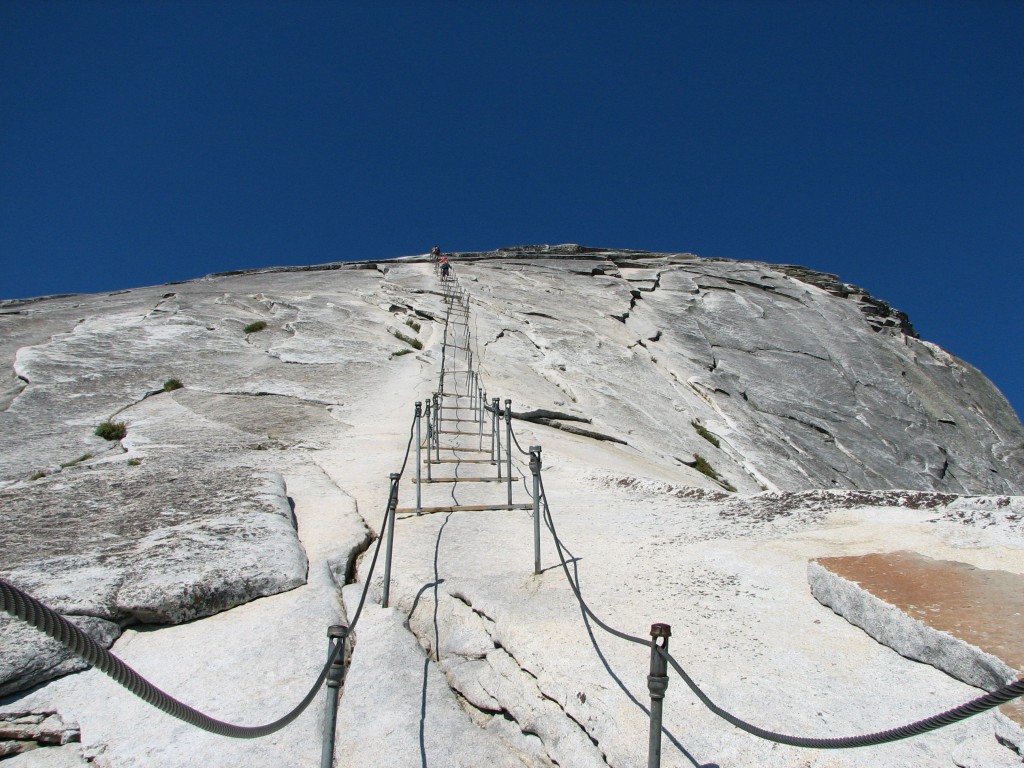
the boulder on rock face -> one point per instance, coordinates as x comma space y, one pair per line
964, 620
124, 545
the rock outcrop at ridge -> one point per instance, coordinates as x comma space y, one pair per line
789, 377
708, 427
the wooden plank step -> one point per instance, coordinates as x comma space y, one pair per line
456, 432
464, 508
463, 480
459, 461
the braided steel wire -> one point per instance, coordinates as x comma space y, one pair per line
30, 610
916, 728
950, 716
23, 606
516, 441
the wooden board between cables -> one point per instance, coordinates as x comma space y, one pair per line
464, 508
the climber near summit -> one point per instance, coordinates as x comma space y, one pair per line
445, 266
435, 252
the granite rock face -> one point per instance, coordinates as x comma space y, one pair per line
800, 386
759, 416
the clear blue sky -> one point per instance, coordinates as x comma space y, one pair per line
144, 142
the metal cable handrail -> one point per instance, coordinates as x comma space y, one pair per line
25, 607
515, 440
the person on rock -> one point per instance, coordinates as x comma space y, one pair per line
445, 266
435, 252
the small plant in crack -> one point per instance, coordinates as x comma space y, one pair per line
413, 324
401, 352
414, 343
112, 430
37, 475
79, 460
703, 466
259, 325
172, 384
134, 462
703, 432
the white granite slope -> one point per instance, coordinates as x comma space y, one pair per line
799, 389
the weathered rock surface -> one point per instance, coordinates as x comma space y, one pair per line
929, 610
966, 621
792, 380
28, 657
123, 545
22, 732
840, 431
67, 756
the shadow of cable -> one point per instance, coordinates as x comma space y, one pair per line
416, 601
437, 641
423, 714
557, 566
622, 686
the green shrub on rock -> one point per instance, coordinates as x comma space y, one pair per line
703, 432
414, 343
79, 460
704, 467
112, 430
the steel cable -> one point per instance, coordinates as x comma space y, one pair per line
23, 606
950, 716
516, 441
30, 610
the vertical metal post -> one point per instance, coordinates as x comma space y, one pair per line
444, 354
495, 436
419, 460
430, 438
392, 504
437, 424
657, 684
481, 401
508, 446
535, 469
337, 634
